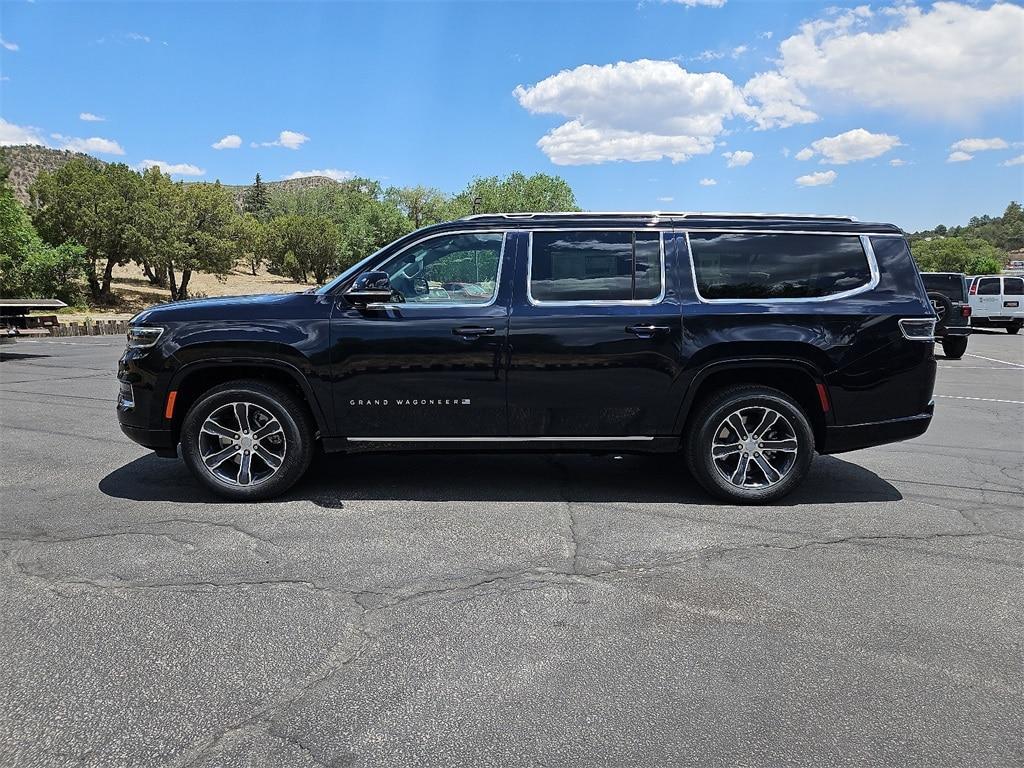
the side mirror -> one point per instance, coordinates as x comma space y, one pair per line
370, 288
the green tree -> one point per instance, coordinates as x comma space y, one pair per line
299, 245
420, 205
206, 213
971, 256
95, 206
247, 233
256, 200
516, 193
28, 267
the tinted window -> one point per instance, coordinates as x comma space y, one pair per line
453, 269
1013, 286
946, 284
595, 266
988, 286
744, 266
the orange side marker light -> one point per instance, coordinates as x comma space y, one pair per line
173, 395
822, 395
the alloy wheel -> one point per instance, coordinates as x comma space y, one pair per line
754, 447
242, 443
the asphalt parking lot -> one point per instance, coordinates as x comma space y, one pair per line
508, 610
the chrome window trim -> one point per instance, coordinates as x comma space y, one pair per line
657, 214
507, 439
594, 302
865, 242
448, 304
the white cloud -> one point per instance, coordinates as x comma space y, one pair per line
287, 139
93, 145
231, 141
979, 145
785, 151
1018, 160
897, 163
634, 111
89, 117
850, 147
947, 61
709, 56
738, 51
693, 3
707, 182
819, 179
172, 169
9, 45
959, 157
738, 159
330, 173
11, 134
765, 35
138, 37
780, 102
665, 199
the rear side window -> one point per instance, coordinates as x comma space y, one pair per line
733, 265
947, 284
1013, 286
595, 266
988, 286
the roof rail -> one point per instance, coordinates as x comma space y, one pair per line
680, 214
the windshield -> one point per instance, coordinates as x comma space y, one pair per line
948, 284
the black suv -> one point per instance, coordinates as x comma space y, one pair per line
947, 292
747, 342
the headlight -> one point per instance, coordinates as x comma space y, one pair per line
143, 336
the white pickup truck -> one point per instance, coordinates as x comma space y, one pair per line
997, 301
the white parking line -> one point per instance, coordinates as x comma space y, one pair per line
993, 360
982, 399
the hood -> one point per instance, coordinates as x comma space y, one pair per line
264, 306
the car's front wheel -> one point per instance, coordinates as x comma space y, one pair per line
247, 440
954, 347
1014, 327
750, 445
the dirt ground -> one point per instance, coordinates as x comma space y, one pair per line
135, 293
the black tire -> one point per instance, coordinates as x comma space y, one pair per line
1013, 328
943, 308
706, 423
296, 432
953, 347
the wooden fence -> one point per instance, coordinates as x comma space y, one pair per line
91, 328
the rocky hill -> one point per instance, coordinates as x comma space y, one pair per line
27, 161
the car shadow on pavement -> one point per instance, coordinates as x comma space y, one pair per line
335, 479
5, 356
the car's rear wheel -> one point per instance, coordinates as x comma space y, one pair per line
750, 445
954, 347
247, 440
1013, 327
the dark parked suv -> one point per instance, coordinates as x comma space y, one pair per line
744, 342
947, 292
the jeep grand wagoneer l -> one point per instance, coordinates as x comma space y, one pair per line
746, 343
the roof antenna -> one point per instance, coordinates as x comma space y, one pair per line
477, 202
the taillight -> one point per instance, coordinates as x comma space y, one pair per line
974, 288
918, 329
965, 311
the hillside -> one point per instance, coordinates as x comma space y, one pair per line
28, 161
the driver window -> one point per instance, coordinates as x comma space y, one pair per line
452, 269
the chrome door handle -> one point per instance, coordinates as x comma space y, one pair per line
647, 331
472, 332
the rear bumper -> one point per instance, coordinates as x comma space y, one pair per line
857, 436
956, 330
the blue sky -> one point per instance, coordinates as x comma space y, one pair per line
650, 97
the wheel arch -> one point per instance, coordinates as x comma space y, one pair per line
195, 378
797, 377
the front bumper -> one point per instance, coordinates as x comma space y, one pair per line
856, 436
162, 441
